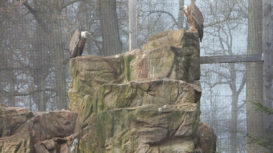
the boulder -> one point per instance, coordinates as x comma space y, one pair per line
11, 118
206, 138
24, 131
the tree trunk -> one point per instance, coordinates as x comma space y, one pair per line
268, 62
181, 14
40, 67
58, 49
254, 71
11, 77
236, 90
234, 120
49, 12
41, 93
60, 77
12, 88
109, 27
132, 24
234, 109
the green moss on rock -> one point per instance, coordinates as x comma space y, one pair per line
127, 69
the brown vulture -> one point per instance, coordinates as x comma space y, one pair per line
194, 18
77, 43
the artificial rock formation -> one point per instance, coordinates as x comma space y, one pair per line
22, 131
142, 101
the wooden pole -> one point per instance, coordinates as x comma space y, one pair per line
231, 59
254, 76
132, 24
268, 60
181, 14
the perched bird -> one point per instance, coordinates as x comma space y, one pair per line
77, 43
194, 18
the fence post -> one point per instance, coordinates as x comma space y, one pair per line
132, 24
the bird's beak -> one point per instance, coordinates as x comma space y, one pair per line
184, 7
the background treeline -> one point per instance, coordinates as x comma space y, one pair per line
34, 58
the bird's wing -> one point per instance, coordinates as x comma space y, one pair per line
197, 15
74, 43
198, 19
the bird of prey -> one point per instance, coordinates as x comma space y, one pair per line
194, 18
77, 43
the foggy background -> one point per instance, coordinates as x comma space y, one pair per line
34, 38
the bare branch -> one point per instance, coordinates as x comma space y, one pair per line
242, 84
224, 75
220, 21
69, 3
37, 16
24, 68
164, 12
243, 104
7, 94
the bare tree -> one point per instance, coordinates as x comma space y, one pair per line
10, 36
109, 27
254, 72
48, 15
88, 19
268, 61
223, 22
181, 14
132, 24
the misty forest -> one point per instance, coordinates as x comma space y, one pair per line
134, 76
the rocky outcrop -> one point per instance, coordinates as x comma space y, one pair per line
142, 101
206, 139
167, 55
22, 131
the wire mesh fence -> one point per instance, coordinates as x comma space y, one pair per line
34, 53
